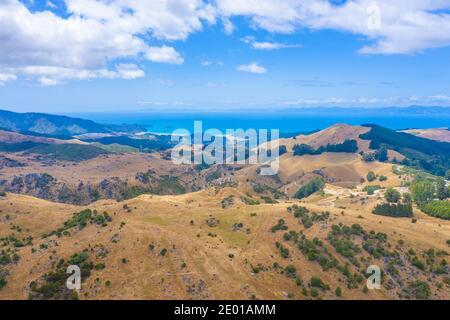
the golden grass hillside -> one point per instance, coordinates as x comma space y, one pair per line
192, 246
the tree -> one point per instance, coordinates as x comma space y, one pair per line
393, 210
371, 176
368, 157
282, 150
407, 199
392, 195
441, 190
382, 154
422, 191
437, 208
303, 149
311, 187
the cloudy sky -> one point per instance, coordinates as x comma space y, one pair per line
117, 55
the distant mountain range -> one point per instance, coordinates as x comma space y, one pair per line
47, 124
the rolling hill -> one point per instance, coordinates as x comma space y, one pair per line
51, 125
118, 216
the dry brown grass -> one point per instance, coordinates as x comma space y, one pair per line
164, 221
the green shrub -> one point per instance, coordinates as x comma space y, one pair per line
316, 282
53, 284
420, 290
3, 282
284, 252
99, 266
371, 189
417, 263
249, 201
78, 258
281, 225
317, 184
4, 258
291, 271
371, 176
392, 196
269, 200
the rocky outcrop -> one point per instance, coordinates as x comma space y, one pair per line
45, 186
9, 163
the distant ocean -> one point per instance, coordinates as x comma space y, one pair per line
286, 122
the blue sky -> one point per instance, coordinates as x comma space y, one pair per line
67, 56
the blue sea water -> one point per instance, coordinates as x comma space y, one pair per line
286, 122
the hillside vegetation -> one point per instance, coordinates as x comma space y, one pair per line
430, 155
68, 152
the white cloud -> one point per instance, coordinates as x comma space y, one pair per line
253, 67
46, 82
228, 26
129, 71
163, 54
92, 35
50, 5
5, 77
95, 33
50, 76
405, 26
267, 45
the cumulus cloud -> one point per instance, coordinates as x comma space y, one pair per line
50, 76
129, 71
267, 45
163, 54
5, 77
93, 35
253, 67
86, 38
391, 27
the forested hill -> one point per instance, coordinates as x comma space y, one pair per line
430, 155
48, 124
